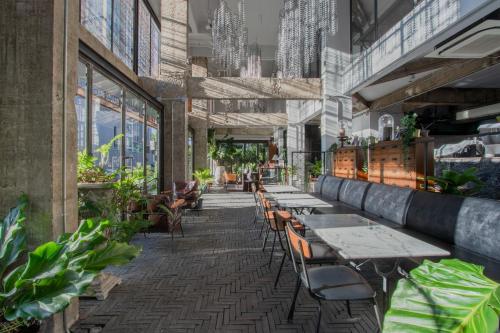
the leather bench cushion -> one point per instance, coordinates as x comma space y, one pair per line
492, 266
352, 192
478, 227
331, 187
319, 183
389, 202
434, 214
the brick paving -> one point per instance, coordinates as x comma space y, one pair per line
216, 279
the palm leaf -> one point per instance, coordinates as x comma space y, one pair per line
449, 296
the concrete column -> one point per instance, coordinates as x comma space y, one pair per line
173, 71
38, 154
198, 118
336, 106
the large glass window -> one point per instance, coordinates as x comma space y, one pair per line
81, 106
113, 105
113, 23
107, 101
153, 148
96, 17
123, 31
134, 131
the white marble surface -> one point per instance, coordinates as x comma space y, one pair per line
322, 221
280, 189
299, 200
376, 242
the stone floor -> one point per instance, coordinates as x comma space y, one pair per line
216, 279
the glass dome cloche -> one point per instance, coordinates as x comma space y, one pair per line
386, 127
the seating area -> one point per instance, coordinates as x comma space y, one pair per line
182, 166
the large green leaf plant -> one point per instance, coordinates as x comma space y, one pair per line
451, 296
44, 284
464, 183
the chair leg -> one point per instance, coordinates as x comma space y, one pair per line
182, 230
292, 306
272, 249
349, 308
262, 228
377, 315
265, 238
279, 271
318, 323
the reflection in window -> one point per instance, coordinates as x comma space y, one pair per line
81, 106
123, 31
96, 17
134, 131
107, 104
144, 40
153, 149
155, 50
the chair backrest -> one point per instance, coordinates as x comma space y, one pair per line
388, 202
330, 188
281, 218
353, 192
478, 227
434, 214
300, 245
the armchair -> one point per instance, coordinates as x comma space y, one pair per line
187, 191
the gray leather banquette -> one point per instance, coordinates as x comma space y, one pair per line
468, 227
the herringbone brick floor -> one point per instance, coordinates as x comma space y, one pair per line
216, 279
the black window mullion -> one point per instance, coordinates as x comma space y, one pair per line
145, 139
124, 132
90, 107
136, 37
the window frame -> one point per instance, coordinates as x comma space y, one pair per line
153, 19
92, 65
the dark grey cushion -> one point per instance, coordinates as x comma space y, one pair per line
331, 187
389, 202
319, 183
434, 214
478, 227
353, 192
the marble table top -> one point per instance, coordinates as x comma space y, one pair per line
280, 189
300, 201
325, 221
356, 237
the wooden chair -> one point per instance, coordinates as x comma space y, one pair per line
175, 219
230, 178
326, 283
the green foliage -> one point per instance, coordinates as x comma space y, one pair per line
105, 149
333, 148
453, 182
449, 296
203, 176
316, 168
55, 271
88, 171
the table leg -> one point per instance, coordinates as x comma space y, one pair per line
385, 282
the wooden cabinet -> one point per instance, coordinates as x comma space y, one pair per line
387, 165
348, 163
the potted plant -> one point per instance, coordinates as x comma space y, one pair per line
464, 183
34, 289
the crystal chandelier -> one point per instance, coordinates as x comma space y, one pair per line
302, 33
229, 37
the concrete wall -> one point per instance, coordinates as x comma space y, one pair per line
38, 65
